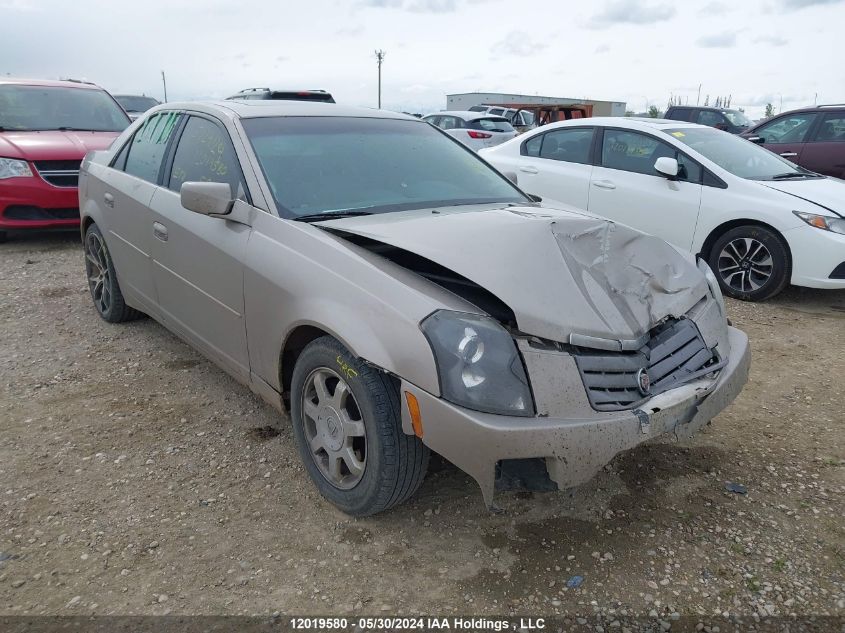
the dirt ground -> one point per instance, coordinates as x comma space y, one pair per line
137, 478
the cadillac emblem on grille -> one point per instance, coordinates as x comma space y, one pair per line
643, 382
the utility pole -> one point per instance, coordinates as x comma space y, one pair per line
164, 81
379, 58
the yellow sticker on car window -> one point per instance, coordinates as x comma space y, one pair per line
678, 134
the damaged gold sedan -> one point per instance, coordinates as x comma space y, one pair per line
396, 295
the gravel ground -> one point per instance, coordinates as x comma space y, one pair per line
137, 478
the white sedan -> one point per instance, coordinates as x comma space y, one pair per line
760, 221
474, 129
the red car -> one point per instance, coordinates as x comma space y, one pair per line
814, 138
46, 128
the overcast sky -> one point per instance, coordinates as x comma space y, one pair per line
638, 51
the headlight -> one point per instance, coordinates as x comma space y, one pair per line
479, 364
715, 288
11, 168
824, 222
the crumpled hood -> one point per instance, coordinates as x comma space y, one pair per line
53, 144
829, 193
561, 273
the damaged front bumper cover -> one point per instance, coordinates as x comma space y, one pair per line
574, 449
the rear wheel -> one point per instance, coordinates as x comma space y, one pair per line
751, 263
102, 280
347, 425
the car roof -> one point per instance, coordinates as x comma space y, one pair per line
236, 109
635, 123
466, 115
50, 83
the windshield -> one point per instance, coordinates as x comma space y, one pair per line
740, 157
136, 104
324, 164
34, 108
737, 118
493, 124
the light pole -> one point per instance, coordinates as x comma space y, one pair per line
379, 58
164, 82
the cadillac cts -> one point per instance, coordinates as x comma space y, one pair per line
396, 295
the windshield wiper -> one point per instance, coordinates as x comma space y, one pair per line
794, 174
330, 215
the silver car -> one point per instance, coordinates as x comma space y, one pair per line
474, 129
396, 295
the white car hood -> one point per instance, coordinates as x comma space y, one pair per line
561, 273
828, 193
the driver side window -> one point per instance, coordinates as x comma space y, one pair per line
786, 129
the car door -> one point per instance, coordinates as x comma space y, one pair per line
127, 193
556, 165
197, 258
824, 152
785, 135
626, 188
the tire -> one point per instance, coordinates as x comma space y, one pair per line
102, 280
752, 263
386, 465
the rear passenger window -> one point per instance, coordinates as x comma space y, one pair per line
571, 146
205, 154
832, 129
149, 145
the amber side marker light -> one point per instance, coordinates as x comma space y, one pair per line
414, 410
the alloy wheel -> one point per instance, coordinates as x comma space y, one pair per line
334, 428
97, 270
745, 264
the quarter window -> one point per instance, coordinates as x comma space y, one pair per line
149, 145
205, 154
786, 129
571, 146
832, 129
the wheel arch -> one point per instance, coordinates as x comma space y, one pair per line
297, 340
723, 228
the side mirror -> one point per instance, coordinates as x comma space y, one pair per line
511, 175
667, 166
756, 139
208, 198
535, 197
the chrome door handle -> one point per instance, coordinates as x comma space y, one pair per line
160, 231
603, 184
528, 169
109, 200
789, 154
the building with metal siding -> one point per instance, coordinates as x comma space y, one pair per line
465, 100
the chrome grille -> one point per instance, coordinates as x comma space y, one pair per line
59, 173
674, 354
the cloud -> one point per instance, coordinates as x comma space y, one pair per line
713, 9
630, 12
720, 40
794, 5
519, 44
774, 40
419, 6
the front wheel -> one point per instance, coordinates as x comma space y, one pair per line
347, 424
102, 280
751, 263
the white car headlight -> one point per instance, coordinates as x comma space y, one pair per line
11, 168
824, 222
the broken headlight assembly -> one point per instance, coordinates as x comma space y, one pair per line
478, 363
715, 288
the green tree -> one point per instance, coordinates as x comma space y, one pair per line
629, 113
770, 110
653, 112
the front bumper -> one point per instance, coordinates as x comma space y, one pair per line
31, 203
815, 255
574, 449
